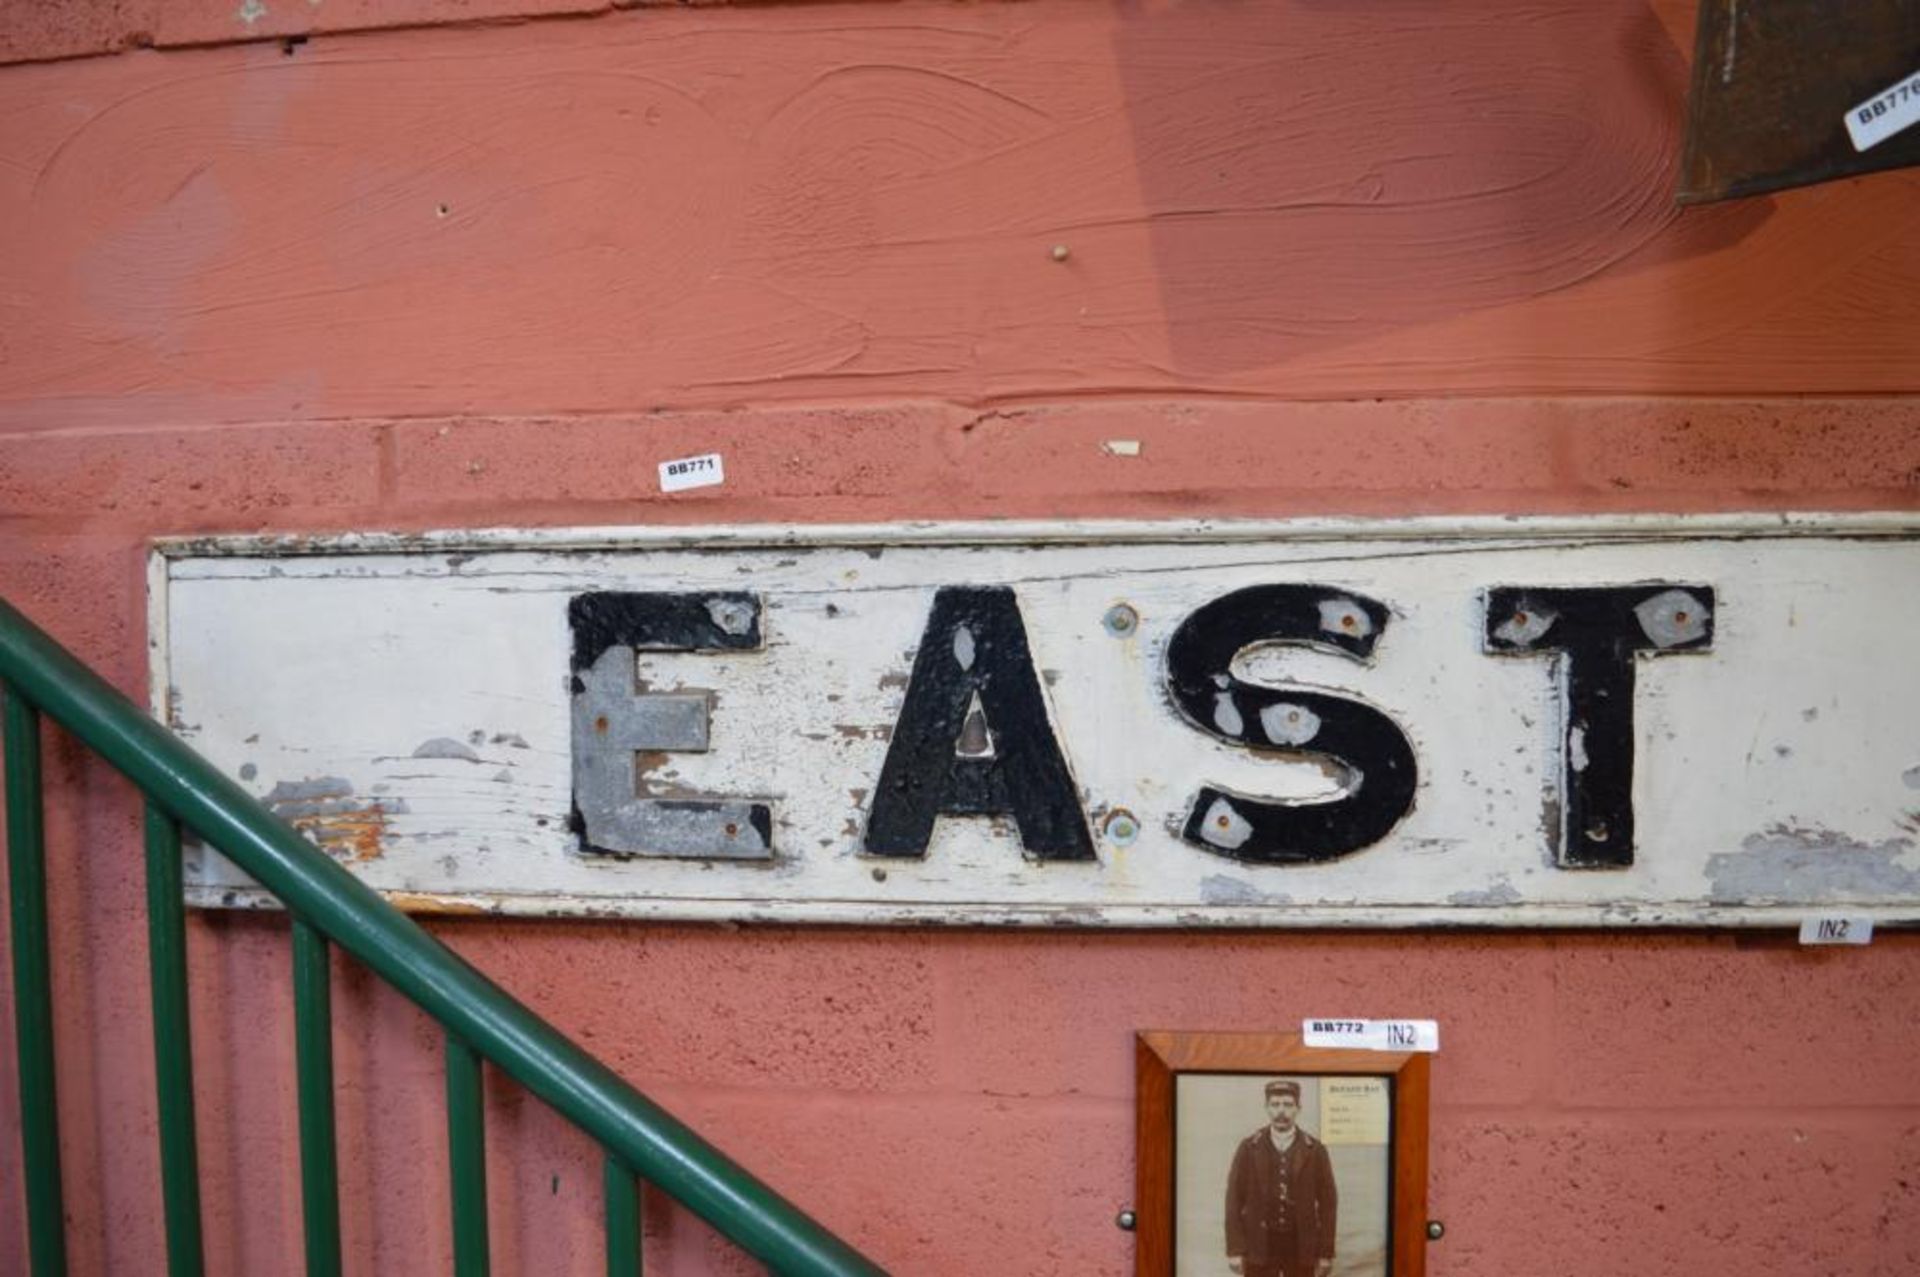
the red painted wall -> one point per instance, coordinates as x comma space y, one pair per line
1323, 258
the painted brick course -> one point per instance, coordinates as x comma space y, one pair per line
1586, 1200
269, 475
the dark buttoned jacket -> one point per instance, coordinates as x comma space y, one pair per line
1253, 1193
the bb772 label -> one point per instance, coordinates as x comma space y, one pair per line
1372, 1035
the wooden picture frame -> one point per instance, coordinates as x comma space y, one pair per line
1227, 1085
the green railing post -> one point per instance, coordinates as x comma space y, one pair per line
623, 1220
32, 997
313, 1054
467, 1158
172, 1044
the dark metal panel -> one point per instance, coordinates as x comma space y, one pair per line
1773, 82
617, 723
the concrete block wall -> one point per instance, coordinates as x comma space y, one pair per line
487, 264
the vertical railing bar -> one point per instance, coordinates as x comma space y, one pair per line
467, 1156
32, 995
313, 1054
172, 1043
623, 1220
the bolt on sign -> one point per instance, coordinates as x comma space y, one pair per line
1650, 720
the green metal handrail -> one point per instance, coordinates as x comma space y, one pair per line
482, 1021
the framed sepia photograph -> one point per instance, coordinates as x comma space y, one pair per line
1261, 1157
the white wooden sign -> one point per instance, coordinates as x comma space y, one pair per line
1501, 721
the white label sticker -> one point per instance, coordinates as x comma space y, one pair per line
692, 472
1885, 113
1355, 1110
1833, 929
1372, 1035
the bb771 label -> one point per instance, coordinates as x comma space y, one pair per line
702, 471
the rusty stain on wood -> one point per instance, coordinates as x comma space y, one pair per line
326, 810
426, 902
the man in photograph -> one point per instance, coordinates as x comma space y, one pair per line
1281, 1203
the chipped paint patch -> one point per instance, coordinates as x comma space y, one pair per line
1793, 863
1226, 715
1525, 626
327, 811
732, 616
1502, 892
445, 747
1223, 826
1673, 618
1345, 617
1577, 748
1286, 723
1221, 889
963, 648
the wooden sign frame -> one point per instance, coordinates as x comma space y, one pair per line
1163, 1057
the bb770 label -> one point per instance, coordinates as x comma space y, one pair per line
1885, 113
